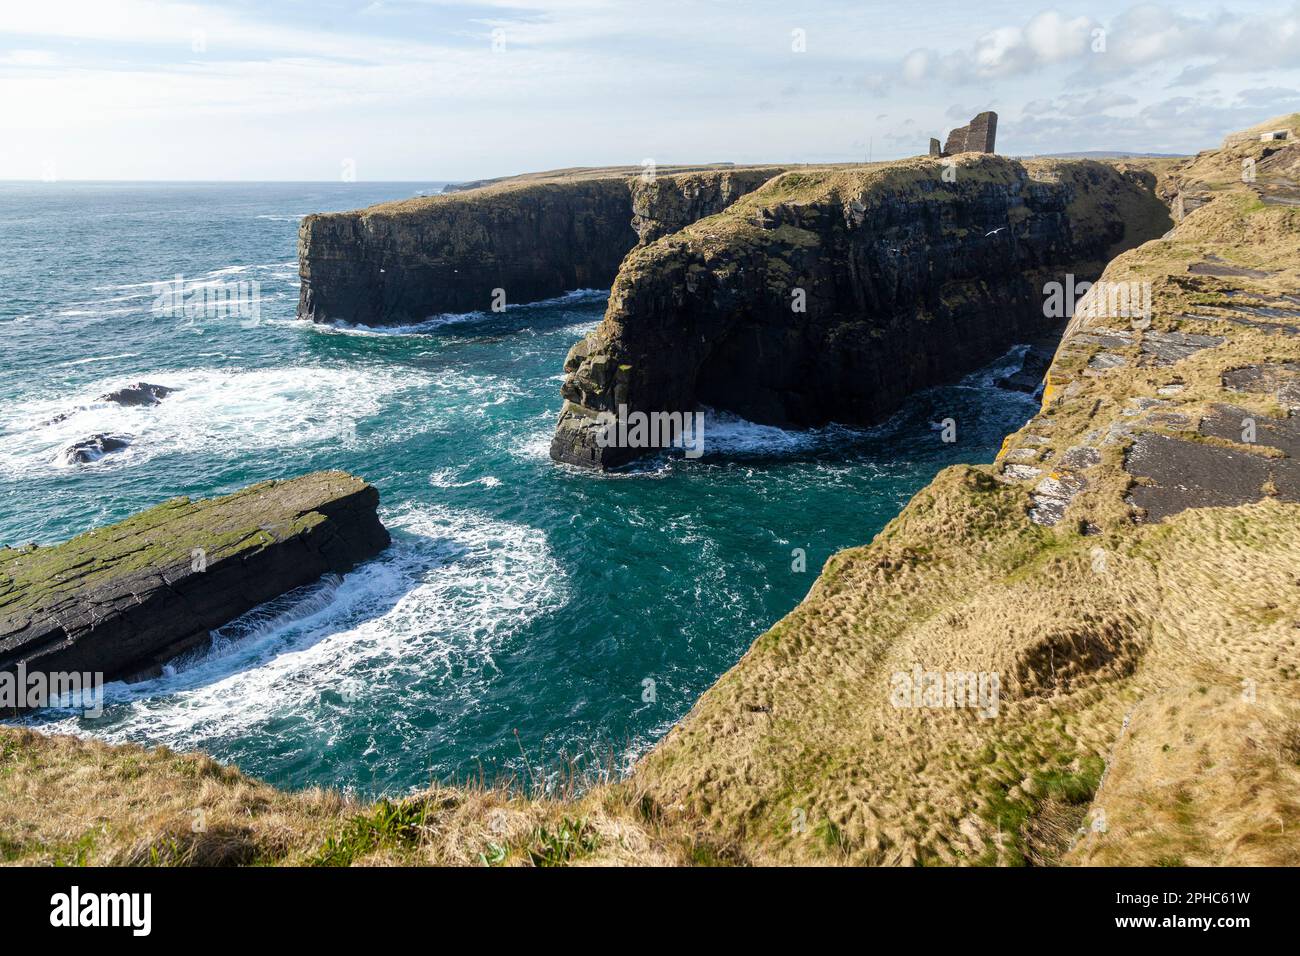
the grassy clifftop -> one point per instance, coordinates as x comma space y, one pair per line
65, 801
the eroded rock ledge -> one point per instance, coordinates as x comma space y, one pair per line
122, 599
534, 237
905, 280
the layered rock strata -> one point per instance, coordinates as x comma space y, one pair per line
121, 599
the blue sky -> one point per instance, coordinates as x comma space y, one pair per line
427, 90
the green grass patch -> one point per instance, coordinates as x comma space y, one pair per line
571, 840
387, 825
1011, 815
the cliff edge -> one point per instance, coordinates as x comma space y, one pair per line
511, 241
1115, 599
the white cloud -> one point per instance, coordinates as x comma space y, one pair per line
1141, 36
1046, 39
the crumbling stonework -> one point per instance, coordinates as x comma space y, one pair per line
978, 136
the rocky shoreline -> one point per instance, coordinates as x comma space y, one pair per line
121, 600
1128, 567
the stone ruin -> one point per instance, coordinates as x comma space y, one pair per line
977, 136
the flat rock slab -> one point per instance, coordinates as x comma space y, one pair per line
1080, 458
122, 599
1166, 348
1212, 265
1186, 474
1233, 424
1052, 496
1107, 360
1281, 380
1106, 338
1271, 328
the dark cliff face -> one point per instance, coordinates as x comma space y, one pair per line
122, 599
905, 281
403, 262
666, 204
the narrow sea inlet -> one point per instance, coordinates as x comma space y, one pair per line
524, 611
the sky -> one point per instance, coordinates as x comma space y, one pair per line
426, 90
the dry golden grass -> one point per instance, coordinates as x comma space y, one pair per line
69, 801
1204, 775
65, 800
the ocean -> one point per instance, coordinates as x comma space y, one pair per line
526, 615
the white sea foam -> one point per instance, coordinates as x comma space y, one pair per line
435, 322
451, 478
415, 328
82, 313
731, 435
536, 445
450, 590
209, 277
727, 434
99, 358
1006, 364
211, 410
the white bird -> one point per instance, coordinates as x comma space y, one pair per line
994, 232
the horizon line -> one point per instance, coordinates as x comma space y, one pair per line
455, 181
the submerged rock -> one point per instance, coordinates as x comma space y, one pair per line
94, 448
1033, 368
141, 393
123, 599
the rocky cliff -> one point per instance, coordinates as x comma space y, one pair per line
832, 295
1127, 569
530, 237
122, 599
665, 204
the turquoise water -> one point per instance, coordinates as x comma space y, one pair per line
522, 608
